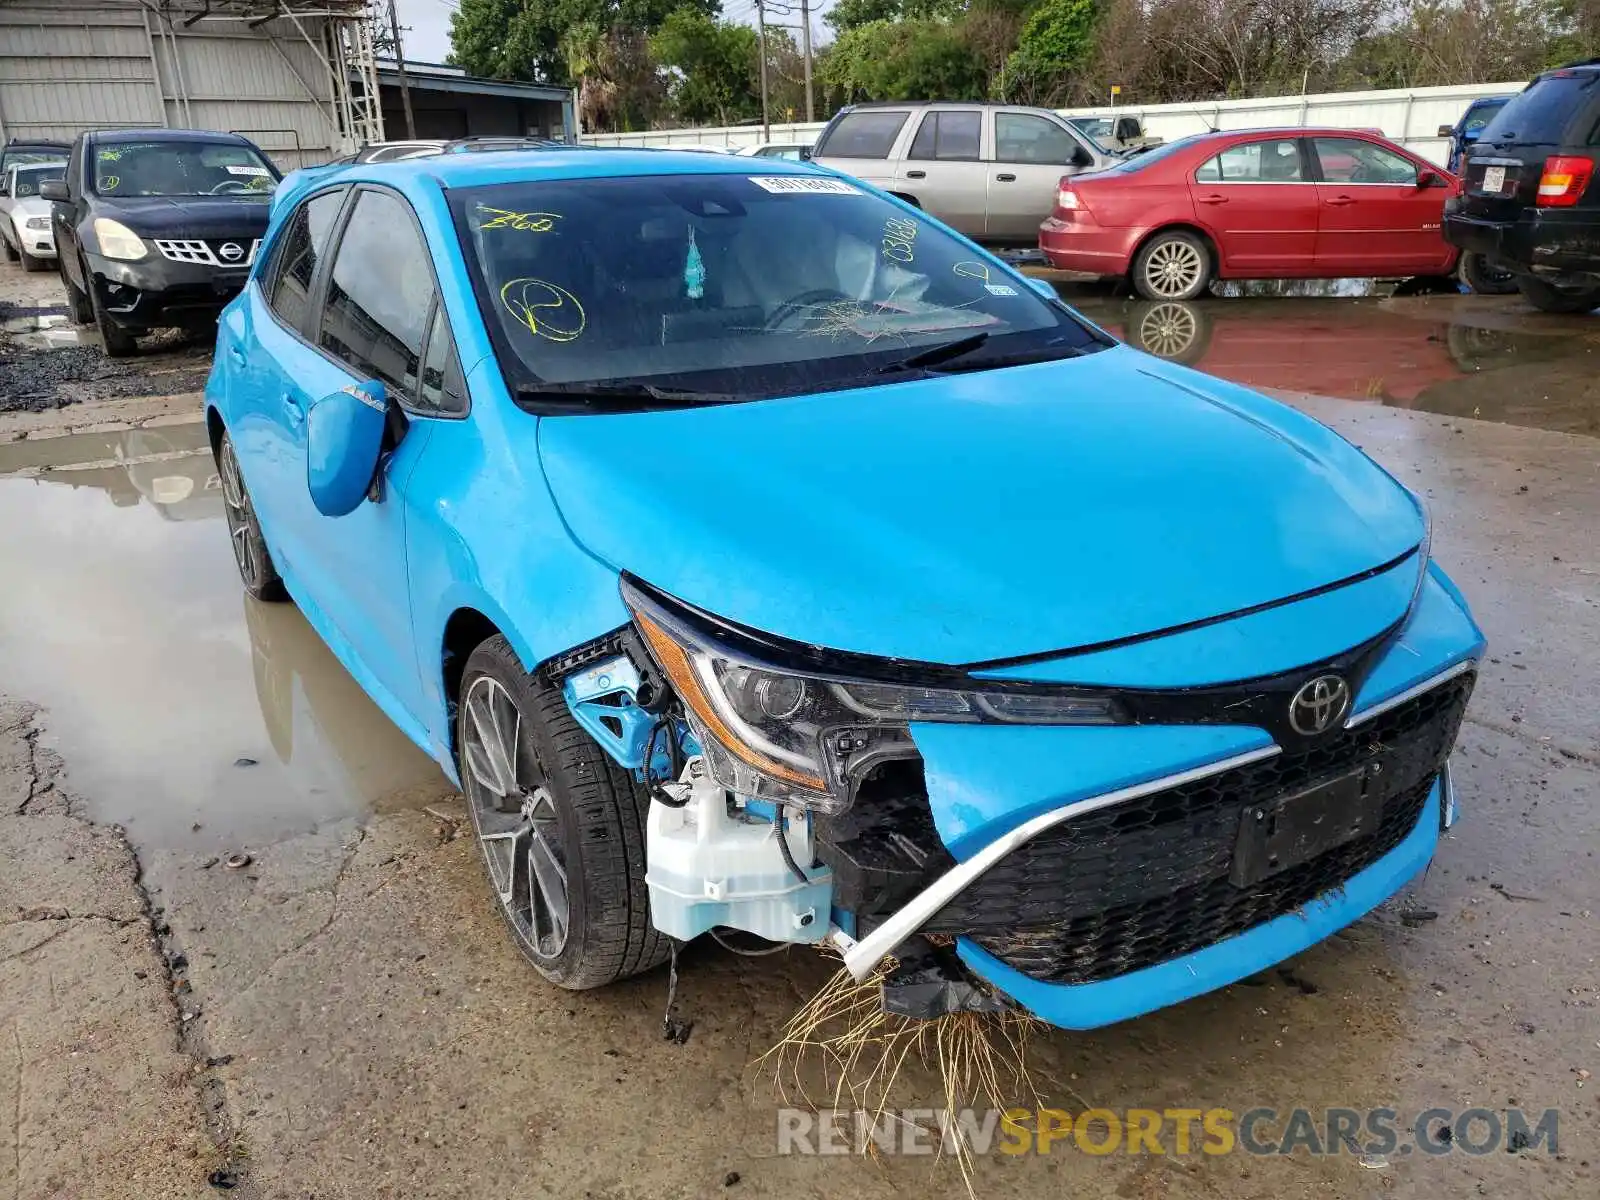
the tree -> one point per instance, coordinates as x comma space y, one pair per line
904, 60
713, 67
524, 39
1056, 40
619, 87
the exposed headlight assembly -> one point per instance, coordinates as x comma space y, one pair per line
807, 735
117, 240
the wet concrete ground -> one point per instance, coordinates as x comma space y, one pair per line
370, 1031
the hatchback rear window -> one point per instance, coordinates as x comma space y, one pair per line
1540, 115
868, 134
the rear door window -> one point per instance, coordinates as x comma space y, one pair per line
865, 133
300, 248
380, 294
1276, 161
1541, 114
952, 136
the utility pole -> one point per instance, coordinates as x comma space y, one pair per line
761, 43
805, 49
400, 61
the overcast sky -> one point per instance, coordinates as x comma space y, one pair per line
428, 22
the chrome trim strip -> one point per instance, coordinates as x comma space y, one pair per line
860, 959
1447, 798
1411, 693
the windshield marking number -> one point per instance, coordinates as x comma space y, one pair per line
546, 310
898, 236
528, 222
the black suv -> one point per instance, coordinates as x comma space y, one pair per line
1526, 203
157, 227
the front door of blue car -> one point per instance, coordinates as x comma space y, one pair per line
373, 302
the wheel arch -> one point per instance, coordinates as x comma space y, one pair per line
215, 428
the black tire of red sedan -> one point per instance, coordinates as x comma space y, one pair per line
250, 554
1477, 273
78, 305
1172, 266
1547, 297
560, 827
119, 343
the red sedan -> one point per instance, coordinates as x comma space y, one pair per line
1254, 204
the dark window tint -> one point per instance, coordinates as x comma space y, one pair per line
300, 247
1539, 115
380, 294
949, 135
866, 133
442, 385
1020, 138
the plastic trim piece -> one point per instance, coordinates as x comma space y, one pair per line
870, 950
1411, 693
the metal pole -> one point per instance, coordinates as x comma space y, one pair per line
761, 43
805, 48
400, 62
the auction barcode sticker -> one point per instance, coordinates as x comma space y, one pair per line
787, 185
235, 169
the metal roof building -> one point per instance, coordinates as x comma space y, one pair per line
297, 77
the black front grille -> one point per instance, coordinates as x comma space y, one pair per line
1139, 883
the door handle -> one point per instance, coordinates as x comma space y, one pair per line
1341, 201
916, 174
1212, 199
1006, 177
236, 354
293, 415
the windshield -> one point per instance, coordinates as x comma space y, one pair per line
734, 285
26, 180
1478, 117
182, 169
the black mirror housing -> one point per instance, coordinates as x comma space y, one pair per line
54, 189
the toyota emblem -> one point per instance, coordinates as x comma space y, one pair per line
1318, 705
231, 251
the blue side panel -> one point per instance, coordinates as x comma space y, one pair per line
1090, 1005
986, 779
1264, 643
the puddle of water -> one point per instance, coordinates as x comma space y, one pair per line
1445, 354
122, 614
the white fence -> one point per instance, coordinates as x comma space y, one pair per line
1410, 116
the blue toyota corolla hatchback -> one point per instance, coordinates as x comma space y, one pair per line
757, 554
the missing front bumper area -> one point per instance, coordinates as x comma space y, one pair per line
1140, 876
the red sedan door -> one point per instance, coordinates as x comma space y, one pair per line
1258, 198
1375, 217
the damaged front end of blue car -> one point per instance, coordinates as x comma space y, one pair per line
1088, 834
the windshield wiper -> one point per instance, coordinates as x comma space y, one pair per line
620, 394
934, 355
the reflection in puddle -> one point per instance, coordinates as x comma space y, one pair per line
1442, 354
127, 622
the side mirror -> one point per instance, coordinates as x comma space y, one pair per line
805, 153
1082, 158
1044, 287
1446, 131
1426, 178
344, 435
54, 189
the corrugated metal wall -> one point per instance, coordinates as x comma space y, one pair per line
71, 65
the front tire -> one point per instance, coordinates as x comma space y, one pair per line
11, 251
1484, 278
1547, 297
561, 828
250, 554
1172, 266
119, 343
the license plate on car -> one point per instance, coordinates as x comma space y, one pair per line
1294, 829
1494, 180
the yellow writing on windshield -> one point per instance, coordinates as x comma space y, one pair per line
530, 222
546, 310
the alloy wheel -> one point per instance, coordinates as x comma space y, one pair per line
246, 547
1172, 268
518, 824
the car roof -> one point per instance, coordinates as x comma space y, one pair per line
515, 166
35, 143
166, 135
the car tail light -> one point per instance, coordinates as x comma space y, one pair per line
1564, 180
1066, 197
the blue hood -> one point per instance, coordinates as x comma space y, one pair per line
979, 516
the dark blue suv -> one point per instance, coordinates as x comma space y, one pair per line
1465, 131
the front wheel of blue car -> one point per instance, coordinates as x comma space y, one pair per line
250, 554
560, 826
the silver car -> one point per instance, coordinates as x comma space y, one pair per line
25, 215
990, 171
